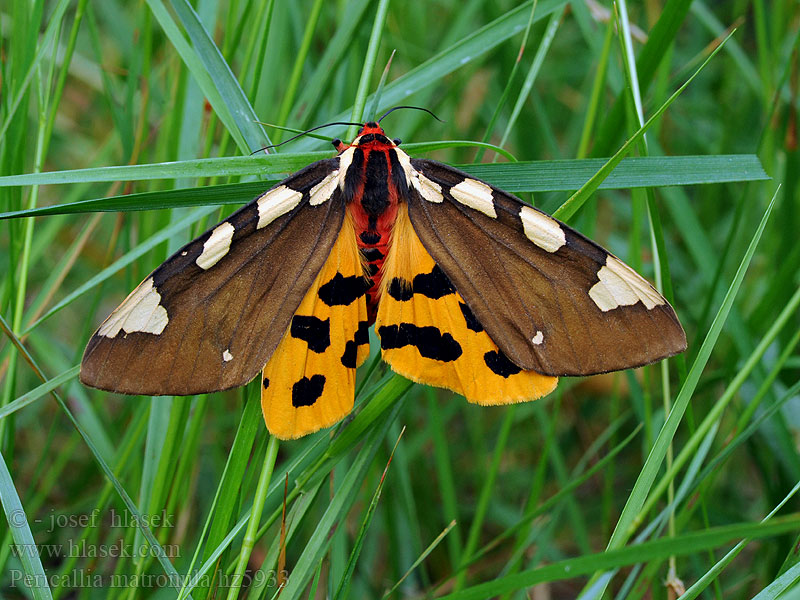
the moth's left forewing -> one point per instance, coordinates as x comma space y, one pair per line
553, 301
212, 314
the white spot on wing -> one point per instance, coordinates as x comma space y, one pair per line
345, 158
227, 356
429, 190
542, 230
538, 338
324, 189
619, 285
141, 311
276, 202
216, 246
405, 163
475, 194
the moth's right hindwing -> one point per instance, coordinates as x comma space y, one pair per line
211, 316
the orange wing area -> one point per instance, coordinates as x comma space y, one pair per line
309, 383
429, 335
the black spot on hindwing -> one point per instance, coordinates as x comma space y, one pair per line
472, 321
433, 285
312, 330
307, 391
400, 289
429, 341
500, 364
343, 291
360, 337
265, 383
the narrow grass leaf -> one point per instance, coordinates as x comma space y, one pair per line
463, 52
199, 72
221, 75
44, 44
38, 392
340, 503
660, 549
364, 82
573, 204
518, 177
255, 516
27, 551
772, 591
652, 465
431, 547
358, 543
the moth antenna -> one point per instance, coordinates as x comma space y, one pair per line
414, 107
291, 139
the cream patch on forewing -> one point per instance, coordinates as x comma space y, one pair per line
405, 163
276, 202
216, 246
475, 194
140, 312
429, 190
227, 356
345, 158
619, 285
323, 191
542, 230
538, 338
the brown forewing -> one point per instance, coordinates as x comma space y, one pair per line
236, 310
516, 289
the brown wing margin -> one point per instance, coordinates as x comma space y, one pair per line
188, 330
535, 303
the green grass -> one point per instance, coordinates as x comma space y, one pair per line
127, 128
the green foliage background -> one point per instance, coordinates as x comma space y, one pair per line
619, 486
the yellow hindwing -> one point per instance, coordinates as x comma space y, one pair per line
309, 382
429, 335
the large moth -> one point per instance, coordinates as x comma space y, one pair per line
468, 288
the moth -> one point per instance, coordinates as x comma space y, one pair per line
468, 288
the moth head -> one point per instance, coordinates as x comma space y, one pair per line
371, 135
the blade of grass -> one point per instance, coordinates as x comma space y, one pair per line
574, 202
431, 547
650, 469
38, 392
340, 503
344, 584
538, 176
154, 547
35, 579
659, 549
194, 62
255, 516
364, 82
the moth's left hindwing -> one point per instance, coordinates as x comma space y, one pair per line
212, 315
552, 300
